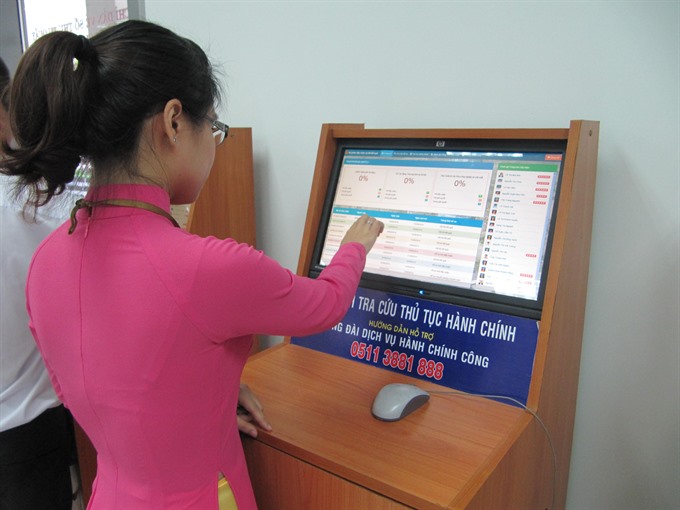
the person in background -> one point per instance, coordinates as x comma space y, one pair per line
144, 327
35, 429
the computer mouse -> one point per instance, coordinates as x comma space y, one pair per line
395, 401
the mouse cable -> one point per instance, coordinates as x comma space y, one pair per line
530, 411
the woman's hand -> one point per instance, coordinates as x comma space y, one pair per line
249, 413
365, 230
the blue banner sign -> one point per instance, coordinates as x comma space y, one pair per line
466, 349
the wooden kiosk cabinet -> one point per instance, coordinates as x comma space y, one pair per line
326, 450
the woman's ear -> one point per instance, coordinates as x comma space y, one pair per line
172, 120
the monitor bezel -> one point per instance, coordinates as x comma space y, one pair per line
512, 305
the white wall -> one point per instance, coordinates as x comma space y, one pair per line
291, 66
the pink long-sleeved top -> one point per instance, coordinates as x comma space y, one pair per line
145, 330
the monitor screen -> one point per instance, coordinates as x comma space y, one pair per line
467, 222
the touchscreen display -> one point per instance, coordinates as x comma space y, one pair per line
476, 220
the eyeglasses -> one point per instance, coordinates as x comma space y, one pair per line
219, 131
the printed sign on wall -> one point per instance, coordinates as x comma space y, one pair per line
466, 349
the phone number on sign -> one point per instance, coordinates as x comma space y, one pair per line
399, 360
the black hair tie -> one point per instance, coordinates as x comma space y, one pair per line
86, 52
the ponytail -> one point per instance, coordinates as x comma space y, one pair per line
49, 101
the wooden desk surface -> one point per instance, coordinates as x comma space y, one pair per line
319, 406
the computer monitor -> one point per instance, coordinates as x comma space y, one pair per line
467, 222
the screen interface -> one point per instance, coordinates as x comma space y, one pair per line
464, 219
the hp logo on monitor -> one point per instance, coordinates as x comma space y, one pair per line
440, 143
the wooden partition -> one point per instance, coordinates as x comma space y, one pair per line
327, 451
225, 208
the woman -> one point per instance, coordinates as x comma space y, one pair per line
144, 327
